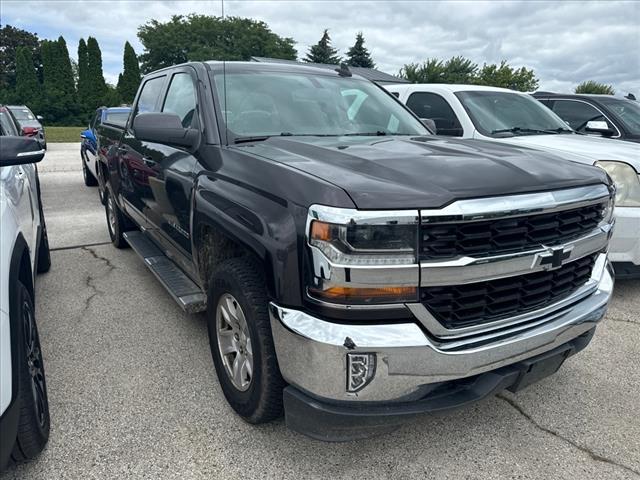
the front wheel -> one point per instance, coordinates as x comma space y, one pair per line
34, 422
241, 343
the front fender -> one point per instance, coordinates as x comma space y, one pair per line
260, 222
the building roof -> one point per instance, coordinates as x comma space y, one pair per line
372, 74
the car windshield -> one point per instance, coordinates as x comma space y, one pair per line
22, 113
628, 111
285, 103
117, 118
499, 114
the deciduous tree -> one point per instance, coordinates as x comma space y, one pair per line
201, 37
591, 86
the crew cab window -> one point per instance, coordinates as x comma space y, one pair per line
148, 101
118, 119
577, 114
181, 99
436, 108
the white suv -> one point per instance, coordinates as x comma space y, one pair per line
502, 115
24, 250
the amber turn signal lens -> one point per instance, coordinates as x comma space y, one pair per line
367, 295
320, 231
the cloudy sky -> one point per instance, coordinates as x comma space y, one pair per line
564, 42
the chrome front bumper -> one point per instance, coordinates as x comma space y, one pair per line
312, 352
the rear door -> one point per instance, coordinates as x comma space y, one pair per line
169, 202
137, 161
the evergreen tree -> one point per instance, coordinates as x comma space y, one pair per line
27, 89
358, 55
96, 86
60, 101
323, 52
84, 94
129, 79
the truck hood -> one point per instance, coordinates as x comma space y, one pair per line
581, 148
423, 172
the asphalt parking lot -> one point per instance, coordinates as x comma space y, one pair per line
133, 392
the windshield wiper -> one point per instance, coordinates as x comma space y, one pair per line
516, 130
260, 138
379, 133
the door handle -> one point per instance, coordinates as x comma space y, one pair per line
122, 149
149, 162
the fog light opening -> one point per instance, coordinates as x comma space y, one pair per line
361, 368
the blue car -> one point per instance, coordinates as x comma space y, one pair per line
112, 117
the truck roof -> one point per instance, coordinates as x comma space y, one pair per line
447, 87
217, 66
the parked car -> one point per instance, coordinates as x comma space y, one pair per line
113, 117
506, 116
24, 251
28, 123
599, 115
355, 269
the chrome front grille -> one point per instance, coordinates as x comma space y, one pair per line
459, 306
506, 235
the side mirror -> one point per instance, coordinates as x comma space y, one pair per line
599, 126
40, 118
430, 124
163, 127
19, 151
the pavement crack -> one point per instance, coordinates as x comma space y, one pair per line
73, 247
97, 256
624, 320
95, 291
593, 455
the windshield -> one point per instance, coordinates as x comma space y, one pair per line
498, 114
117, 118
628, 111
284, 103
22, 113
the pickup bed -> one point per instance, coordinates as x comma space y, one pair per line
354, 269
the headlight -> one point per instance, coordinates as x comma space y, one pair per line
363, 257
627, 182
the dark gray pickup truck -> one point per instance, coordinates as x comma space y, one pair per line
355, 270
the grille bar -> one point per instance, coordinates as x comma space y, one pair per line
471, 304
440, 241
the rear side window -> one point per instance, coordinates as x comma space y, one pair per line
181, 99
436, 108
148, 101
6, 124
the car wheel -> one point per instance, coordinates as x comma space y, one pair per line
34, 422
89, 179
241, 343
101, 184
117, 223
44, 253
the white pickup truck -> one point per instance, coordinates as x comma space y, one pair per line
502, 115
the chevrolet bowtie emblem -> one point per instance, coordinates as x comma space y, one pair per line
554, 257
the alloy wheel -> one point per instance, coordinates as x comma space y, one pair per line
234, 342
34, 363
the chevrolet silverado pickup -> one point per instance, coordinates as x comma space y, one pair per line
355, 270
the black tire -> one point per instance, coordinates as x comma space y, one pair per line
102, 187
89, 179
118, 224
262, 401
44, 254
34, 422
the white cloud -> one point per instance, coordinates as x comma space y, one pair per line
564, 42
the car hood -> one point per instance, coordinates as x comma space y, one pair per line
581, 148
423, 172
